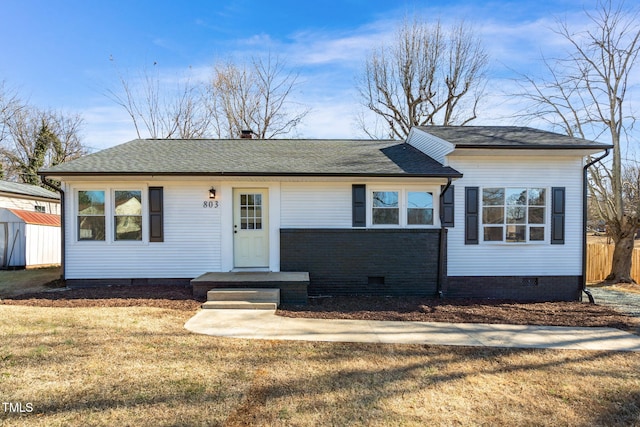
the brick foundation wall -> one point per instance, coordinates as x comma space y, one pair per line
363, 262
522, 288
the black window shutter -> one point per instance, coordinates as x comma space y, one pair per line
471, 217
156, 215
557, 215
359, 205
446, 207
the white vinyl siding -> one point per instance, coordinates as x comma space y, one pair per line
432, 146
512, 259
316, 205
329, 205
191, 239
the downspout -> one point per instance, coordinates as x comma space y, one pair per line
54, 187
443, 244
584, 224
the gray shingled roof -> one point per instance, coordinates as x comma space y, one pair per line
27, 190
257, 157
508, 137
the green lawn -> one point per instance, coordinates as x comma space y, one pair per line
138, 366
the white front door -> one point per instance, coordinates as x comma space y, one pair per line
250, 227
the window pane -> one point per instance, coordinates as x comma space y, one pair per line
128, 228
420, 199
493, 196
385, 199
419, 216
516, 196
536, 233
91, 202
249, 212
493, 234
516, 215
385, 216
536, 215
516, 233
91, 228
536, 196
128, 202
493, 215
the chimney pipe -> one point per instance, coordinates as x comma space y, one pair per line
246, 134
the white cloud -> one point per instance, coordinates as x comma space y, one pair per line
515, 36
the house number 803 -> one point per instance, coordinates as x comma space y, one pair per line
211, 204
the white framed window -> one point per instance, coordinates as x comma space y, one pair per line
110, 214
401, 207
385, 208
91, 218
127, 215
419, 208
514, 215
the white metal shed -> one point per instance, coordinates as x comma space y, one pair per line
29, 239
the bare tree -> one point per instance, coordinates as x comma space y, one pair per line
429, 75
163, 109
10, 105
585, 96
256, 97
36, 139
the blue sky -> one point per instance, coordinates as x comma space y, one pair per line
63, 54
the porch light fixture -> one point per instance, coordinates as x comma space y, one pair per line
212, 193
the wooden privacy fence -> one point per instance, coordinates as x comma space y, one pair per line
599, 262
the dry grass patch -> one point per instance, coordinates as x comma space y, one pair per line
15, 282
138, 366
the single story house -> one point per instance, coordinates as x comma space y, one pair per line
474, 211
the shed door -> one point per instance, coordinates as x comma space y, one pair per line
250, 227
3, 244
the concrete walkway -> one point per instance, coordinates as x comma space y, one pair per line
264, 324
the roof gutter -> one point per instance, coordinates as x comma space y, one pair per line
55, 187
531, 147
452, 174
443, 245
585, 184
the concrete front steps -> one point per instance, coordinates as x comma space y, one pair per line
292, 285
239, 298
